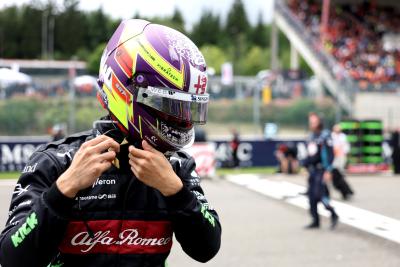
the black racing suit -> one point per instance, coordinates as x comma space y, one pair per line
319, 160
118, 221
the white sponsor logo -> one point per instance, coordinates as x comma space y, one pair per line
160, 92
11, 222
103, 182
312, 149
203, 199
201, 99
102, 196
25, 203
176, 159
20, 190
67, 153
244, 152
99, 196
199, 195
194, 174
29, 168
129, 237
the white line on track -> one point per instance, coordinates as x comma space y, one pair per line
365, 220
8, 182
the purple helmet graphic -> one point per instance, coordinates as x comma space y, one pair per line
153, 81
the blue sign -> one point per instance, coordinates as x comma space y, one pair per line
254, 153
15, 154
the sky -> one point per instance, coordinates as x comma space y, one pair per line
191, 9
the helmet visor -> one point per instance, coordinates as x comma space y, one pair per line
186, 107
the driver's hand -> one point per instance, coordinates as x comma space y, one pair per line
90, 161
152, 168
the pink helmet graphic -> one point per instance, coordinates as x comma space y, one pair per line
153, 81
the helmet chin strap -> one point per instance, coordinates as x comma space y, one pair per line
128, 138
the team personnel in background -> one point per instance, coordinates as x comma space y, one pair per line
58, 132
286, 154
395, 145
234, 144
116, 194
340, 150
319, 165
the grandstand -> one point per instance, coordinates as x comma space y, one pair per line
353, 47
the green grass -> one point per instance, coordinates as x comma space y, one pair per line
247, 170
9, 175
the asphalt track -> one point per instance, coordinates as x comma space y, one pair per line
263, 231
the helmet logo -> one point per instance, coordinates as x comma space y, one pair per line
118, 98
201, 84
162, 66
143, 48
106, 73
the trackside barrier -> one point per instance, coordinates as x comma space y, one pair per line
15, 152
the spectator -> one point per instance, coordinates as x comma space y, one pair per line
355, 38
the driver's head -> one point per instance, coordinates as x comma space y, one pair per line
314, 122
153, 81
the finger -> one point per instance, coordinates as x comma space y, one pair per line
106, 145
134, 167
146, 146
96, 140
134, 171
133, 162
108, 156
137, 153
103, 166
137, 163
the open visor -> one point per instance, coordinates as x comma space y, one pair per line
183, 106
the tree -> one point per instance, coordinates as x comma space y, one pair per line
237, 26
9, 32
237, 22
70, 29
31, 35
256, 59
99, 28
260, 34
178, 21
214, 57
93, 61
207, 30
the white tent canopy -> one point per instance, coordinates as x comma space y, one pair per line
85, 80
9, 77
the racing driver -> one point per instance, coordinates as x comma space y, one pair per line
116, 194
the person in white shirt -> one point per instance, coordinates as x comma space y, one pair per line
340, 149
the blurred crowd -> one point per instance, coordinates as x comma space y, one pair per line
355, 36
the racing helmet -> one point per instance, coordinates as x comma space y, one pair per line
153, 82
